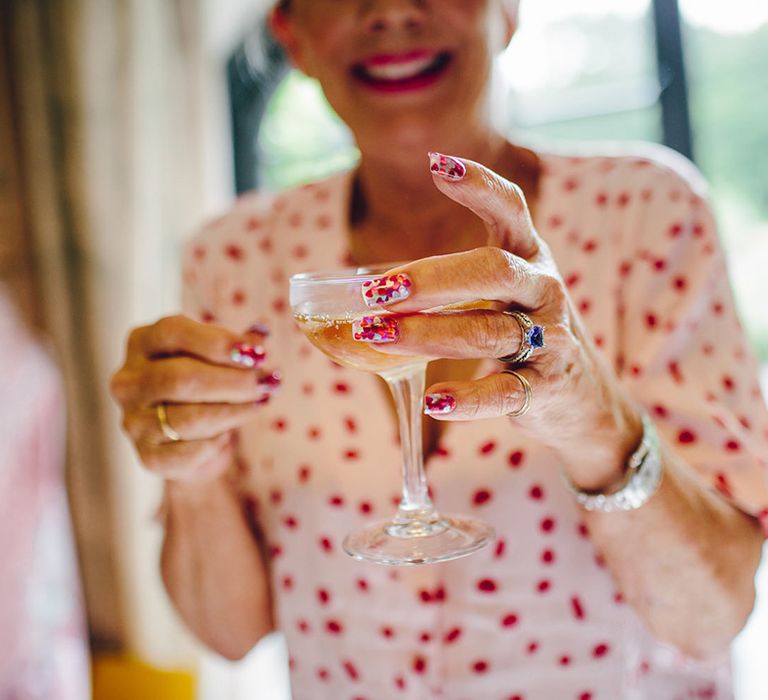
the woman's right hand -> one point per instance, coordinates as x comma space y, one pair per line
210, 381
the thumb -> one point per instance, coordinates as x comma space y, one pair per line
497, 201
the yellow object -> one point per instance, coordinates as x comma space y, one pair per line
127, 678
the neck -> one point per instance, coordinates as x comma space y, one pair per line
398, 196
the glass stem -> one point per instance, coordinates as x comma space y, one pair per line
408, 391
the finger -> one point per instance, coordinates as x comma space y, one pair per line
188, 460
449, 334
488, 273
180, 335
488, 397
191, 421
497, 201
188, 380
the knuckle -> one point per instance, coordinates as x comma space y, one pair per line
560, 340
503, 394
118, 386
167, 328
126, 385
497, 258
517, 191
167, 380
553, 291
135, 338
134, 344
472, 403
491, 334
500, 266
131, 426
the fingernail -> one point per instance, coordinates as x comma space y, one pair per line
376, 329
386, 290
446, 167
271, 382
247, 355
259, 328
264, 399
438, 404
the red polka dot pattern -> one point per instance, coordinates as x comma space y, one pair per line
636, 248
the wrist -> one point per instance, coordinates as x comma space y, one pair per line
195, 493
597, 462
643, 478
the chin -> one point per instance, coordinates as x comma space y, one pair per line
404, 131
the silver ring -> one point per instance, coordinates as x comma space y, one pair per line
528, 393
165, 426
533, 338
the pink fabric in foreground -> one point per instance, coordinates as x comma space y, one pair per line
42, 630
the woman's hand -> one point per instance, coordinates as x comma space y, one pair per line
209, 382
578, 406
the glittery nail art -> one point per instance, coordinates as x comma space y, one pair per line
376, 329
439, 404
446, 167
271, 382
386, 290
247, 355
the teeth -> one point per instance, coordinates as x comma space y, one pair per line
400, 70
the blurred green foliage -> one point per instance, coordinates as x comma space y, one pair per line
301, 138
729, 107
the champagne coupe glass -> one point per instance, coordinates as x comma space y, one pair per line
325, 305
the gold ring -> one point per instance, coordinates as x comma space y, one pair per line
162, 418
528, 393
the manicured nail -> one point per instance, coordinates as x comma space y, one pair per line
376, 329
386, 290
247, 355
438, 404
446, 167
259, 328
271, 382
263, 400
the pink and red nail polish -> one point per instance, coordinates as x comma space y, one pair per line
439, 404
271, 382
247, 355
446, 166
376, 329
386, 290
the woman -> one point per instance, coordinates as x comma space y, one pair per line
615, 256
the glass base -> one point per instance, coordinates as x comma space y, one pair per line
401, 543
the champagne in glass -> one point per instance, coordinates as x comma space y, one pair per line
325, 305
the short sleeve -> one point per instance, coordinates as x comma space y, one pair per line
684, 353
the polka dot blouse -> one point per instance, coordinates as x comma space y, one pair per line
536, 615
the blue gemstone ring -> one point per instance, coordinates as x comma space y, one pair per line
533, 338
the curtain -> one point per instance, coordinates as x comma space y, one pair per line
109, 122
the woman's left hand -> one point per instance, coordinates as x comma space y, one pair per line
577, 405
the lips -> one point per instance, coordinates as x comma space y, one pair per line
406, 71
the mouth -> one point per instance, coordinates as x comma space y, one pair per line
402, 72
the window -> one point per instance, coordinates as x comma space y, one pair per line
727, 52
600, 83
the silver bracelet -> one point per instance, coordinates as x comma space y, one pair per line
644, 473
